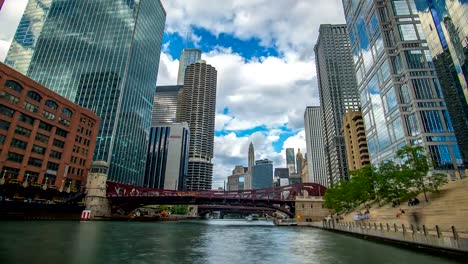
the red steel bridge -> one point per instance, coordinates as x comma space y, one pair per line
128, 198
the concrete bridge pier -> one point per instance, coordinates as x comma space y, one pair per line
96, 190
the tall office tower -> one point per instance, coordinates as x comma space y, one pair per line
316, 158
281, 177
299, 161
165, 104
445, 24
104, 57
197, 107
401, 98
354, 133
251, 163
167, 160
262, 174
338, 94
290, 162
187, 57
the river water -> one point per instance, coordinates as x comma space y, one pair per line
210, 241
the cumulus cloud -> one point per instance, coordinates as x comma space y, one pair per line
289, 25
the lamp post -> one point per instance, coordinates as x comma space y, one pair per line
2, 180
44, 186
62, 186
69, 186
25, 183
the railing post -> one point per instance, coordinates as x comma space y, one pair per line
424, 230
404, 229
381, 227
396, 228
375, 226
388, 227
370, 227
438, 231
412, 228
455, 233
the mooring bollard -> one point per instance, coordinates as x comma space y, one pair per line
438, 231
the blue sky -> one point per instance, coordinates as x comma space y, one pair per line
263, 53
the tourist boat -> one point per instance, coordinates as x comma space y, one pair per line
252, 217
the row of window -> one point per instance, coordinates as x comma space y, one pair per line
31, 95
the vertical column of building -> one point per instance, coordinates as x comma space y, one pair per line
401, 97
338, 93
290, 161
316, 159
251, 163
197, 108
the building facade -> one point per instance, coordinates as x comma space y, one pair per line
165, 104
104, 57
299, 161
45, 139
445, 24
338, 94
316, 158
262, 174
236, 182
355, 140
167, 160
400, 94
290, 161
197, 106
251, 163
187, 57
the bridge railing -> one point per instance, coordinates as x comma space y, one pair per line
277, 193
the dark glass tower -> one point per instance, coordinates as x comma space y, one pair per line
104, 55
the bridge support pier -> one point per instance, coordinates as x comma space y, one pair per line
96, 199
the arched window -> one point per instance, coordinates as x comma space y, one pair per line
51, 104
67, 112
14, 85
35, 96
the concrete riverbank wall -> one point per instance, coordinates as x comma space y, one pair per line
423, 237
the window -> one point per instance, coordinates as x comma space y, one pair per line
22, 131
67, 112
55, 154
11, 98
52, 166
45, 126
61, 132
14, 86
38, 149
51, 104
58, 143
26, 119
18, 143
64, 122
35, 96
48, 115
11, 156
42, 138
4, 125
35, 162
6, 111
2, 139
30, 107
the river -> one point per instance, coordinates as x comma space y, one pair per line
210, 241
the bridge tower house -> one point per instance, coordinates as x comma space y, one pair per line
96, 190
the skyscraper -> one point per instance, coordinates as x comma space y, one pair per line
354, 133
290, 162
105, 57
167, 160
401, 97
187, 57
197, 107
299, 160
165, 104
251, 163
338, 93
262, 174
445, 24
316, 159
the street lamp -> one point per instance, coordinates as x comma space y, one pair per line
44, 186
62, 185
2, 180
69, 186
25, 183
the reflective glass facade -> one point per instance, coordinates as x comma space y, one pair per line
262, 174
104, 55
445, 24
187, 57
400, 94
165, 104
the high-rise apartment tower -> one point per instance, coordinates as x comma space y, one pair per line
316, 159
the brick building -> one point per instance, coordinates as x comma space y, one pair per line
45, 139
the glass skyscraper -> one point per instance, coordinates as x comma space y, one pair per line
165, 104
400, 94
104, 55
262, 174
316, 159
445, 24
187, 57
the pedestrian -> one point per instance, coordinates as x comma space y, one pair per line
415, 201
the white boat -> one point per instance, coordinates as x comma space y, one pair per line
252, 217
